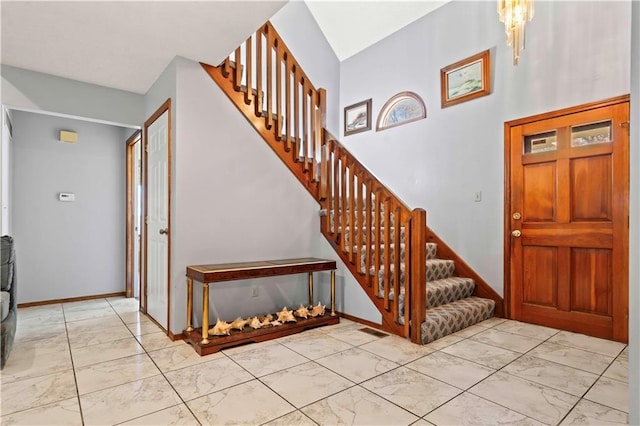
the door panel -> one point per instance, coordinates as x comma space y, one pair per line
157, 154
539, 192
591, 188
591, 281
568, 246
540, 271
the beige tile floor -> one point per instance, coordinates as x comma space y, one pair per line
102, 362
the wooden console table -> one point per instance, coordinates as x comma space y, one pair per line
199, 337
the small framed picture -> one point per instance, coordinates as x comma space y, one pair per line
466, 79
357, 118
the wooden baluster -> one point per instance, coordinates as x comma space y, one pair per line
407, 278
314, 136
248, 95
325, 165
387, 250
378, 238
321, 123
259, 100
287, 90
343, 199
269, 53
296, 114
279, 60
336, 191
368, 233
237, 74
397, 263
357, 231
352, 213
305, 126
418, 277
226, 66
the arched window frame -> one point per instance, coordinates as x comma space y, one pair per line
395, 101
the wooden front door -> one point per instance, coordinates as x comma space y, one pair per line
567, 213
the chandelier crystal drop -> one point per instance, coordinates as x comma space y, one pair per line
515, 14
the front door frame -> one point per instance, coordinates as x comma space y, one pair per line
165, 107
507, 184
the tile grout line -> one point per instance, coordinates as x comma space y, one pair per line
492, 374
580, 398
132, 381
73, 366
360, 383
162, 373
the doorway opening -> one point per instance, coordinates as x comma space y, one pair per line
134, 215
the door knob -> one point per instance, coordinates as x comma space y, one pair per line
516, 216
164, 231
516, 233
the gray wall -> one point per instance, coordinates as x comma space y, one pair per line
68, 249
634, 224
439, 163
234, 201
34, 91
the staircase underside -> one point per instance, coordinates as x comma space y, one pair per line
384, 244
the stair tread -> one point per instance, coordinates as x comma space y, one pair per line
429, 262
363, 247
448, 290
441, 292
455, 316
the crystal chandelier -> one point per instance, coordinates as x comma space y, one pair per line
515, 14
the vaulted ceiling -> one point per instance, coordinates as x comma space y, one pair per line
127, 44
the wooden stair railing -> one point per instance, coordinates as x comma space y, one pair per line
269, 87
266, 83
352, 195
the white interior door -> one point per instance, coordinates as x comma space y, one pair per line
157, 236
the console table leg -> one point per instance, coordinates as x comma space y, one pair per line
205, 314
333, 292
189, 304
310, 288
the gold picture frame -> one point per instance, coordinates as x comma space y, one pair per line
466, 79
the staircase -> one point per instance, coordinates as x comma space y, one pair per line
385, 245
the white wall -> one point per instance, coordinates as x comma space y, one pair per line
34, 91
303, 37
576, 52
68, 249
634, 224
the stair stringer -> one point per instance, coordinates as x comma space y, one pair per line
482, 289
248, 111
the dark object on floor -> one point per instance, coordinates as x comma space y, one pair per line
373, 332
9, 310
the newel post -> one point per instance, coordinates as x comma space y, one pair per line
418, 276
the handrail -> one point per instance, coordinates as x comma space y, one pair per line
372, 230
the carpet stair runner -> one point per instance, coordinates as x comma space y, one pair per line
451, 304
